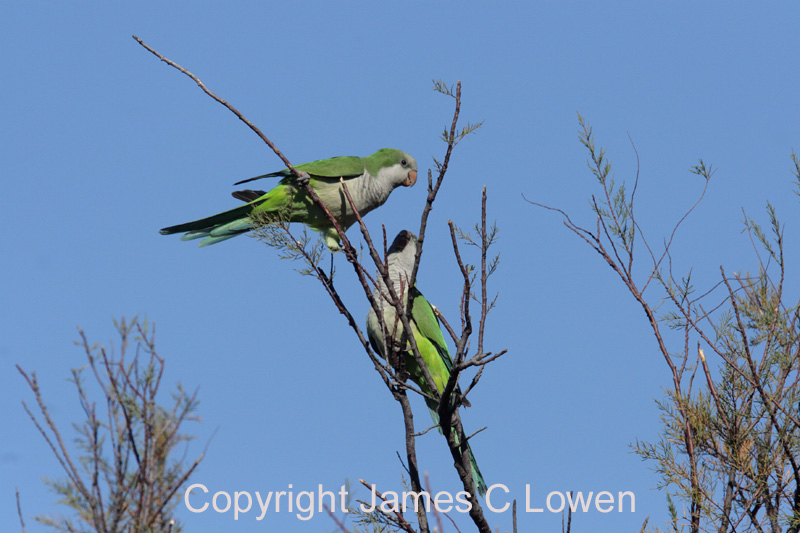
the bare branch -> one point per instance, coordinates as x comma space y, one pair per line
19, 511
223, 102
400, 520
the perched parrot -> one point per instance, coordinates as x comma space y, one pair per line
425, 328
369, 180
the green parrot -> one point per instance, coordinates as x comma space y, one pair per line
369, 180
425, 328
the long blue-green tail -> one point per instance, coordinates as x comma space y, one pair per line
222, 226
477, 477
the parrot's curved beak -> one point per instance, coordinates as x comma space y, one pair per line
411, 179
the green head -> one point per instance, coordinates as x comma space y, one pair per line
398, 163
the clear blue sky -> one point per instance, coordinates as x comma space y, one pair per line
103, 145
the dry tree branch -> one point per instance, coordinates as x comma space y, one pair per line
302, 178
445, 410
338, 522
347, 247
466, 320
436, 512
433, 189
743, 450
221, 101
612, 231
484, 248
395, 384
765, 399
61, 453
107, 492
399, 520
19, 511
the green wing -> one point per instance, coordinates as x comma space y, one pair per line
428, 325
432, 348
336, 167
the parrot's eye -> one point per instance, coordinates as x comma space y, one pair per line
404, 162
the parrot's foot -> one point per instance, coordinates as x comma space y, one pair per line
304, 179
333, 245
332, 240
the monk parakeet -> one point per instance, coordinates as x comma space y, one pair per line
369, 180
425, 328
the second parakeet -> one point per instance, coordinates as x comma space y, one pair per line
425, 328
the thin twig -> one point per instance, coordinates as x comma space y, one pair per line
436, 512
400, 520
223, 102
19, 511
338, 522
